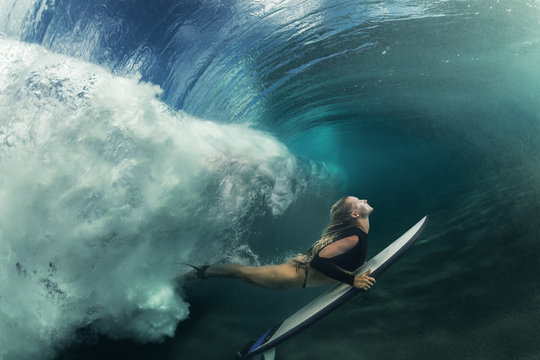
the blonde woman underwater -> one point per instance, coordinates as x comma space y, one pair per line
341, 250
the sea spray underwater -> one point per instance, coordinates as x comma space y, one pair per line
424, 106
106, 191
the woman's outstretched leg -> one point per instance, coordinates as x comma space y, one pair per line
284, 276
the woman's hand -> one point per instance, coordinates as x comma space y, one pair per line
364, 281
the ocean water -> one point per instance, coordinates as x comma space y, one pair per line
135, 137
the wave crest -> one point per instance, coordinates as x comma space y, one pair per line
104, 189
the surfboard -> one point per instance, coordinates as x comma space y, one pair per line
330, 300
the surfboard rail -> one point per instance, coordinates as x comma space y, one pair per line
333, 298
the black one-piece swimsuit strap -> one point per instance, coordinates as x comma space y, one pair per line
305, 276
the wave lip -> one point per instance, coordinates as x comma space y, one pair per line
104, 190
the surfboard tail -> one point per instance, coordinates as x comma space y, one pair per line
269, 354
247, 350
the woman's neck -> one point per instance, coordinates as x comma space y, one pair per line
363, 223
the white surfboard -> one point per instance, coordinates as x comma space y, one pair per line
330, 300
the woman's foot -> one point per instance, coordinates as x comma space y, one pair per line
198, 272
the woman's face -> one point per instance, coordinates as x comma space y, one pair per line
360, 205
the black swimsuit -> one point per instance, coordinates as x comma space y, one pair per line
350, 261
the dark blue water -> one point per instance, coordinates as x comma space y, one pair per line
266, 113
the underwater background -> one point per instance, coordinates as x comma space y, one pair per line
136, 136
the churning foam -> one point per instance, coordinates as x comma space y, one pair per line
103, 188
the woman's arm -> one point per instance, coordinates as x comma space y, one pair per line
328, 268
323, 262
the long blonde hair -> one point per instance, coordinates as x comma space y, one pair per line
340, 220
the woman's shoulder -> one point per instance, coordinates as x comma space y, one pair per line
339, 246
353, 231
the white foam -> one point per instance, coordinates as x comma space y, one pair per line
103, 188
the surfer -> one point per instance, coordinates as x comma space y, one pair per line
341, 249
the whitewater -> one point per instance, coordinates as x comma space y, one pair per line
106, 191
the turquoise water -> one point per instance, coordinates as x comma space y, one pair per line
134, 137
